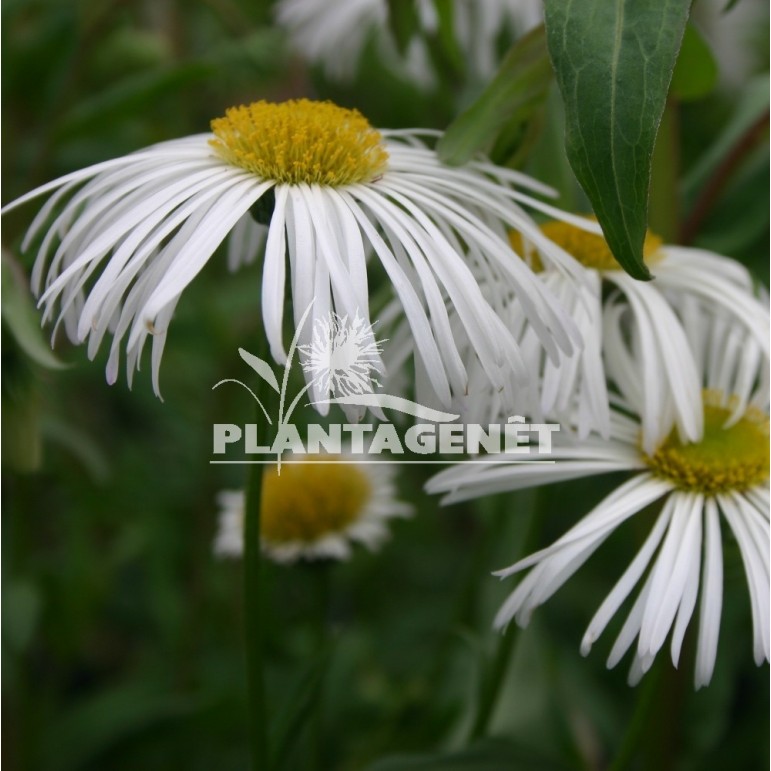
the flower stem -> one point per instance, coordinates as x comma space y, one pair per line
647, 698
257, 722
490, 689
253, 582
322, 575
715, 186
664, 215
655, 728
525, 506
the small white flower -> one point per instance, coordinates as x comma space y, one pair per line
724, 473
313, 511
118, 242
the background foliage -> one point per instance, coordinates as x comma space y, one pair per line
122, 635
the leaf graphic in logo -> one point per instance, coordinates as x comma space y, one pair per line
262, 368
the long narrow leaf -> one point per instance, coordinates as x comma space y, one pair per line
614, 61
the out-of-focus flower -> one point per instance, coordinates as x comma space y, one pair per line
313, 510
334, 33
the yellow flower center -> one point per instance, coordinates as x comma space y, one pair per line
726, 459
308, 501
300, 141
589, 249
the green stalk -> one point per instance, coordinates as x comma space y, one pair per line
491, 685
322, 574
647, 701
258, 740
664, 212
655, 730
527, 506
253, 582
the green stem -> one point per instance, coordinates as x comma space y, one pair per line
490, 690
716, 185
654, 731
647, 698
258, 735
253, 599
525, 505
664, 214
322, 574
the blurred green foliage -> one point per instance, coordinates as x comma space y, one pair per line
122, 635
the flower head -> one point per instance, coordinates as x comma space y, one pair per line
692, 483
119, 242
295, 142
315, 511
648, 316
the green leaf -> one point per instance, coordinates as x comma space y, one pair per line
614, 61
695, 72
487, 755
21, 318
516, 92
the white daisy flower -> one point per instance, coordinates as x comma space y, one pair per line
704, 490
652, 315
131, 233
312, 511
334, 33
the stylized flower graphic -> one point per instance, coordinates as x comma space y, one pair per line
343, 355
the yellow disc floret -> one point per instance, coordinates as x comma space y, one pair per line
300, 141
591, 250
732, 458
308, 501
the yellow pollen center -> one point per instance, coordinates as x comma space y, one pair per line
308, 501
726, 459
300, 141
589, 249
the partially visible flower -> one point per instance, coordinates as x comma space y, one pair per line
692, 484
334, 33
315, 511
132, 233
652, 318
